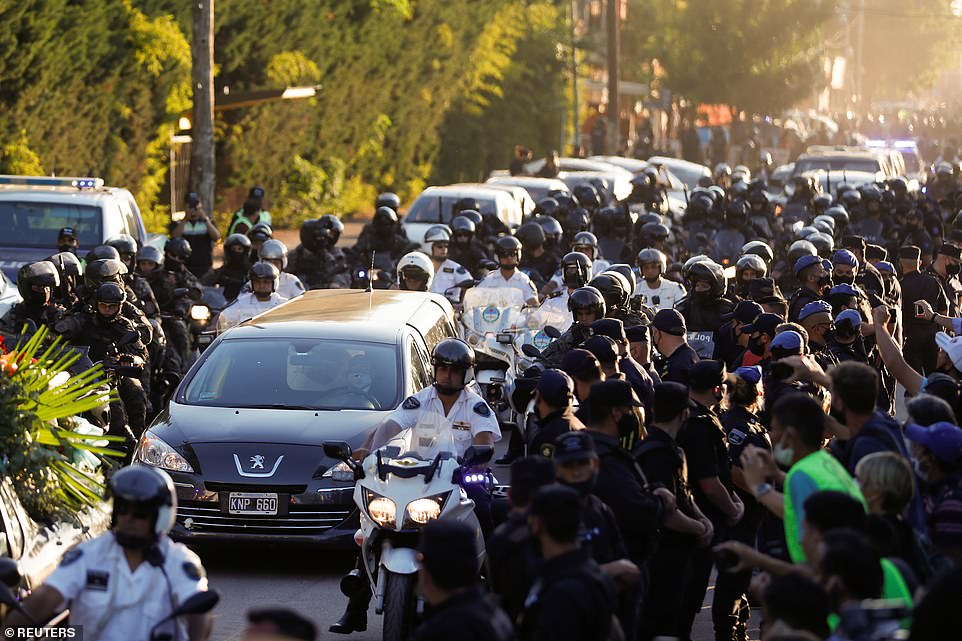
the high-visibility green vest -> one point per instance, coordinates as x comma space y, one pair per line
240, 218
894, 588
827, 474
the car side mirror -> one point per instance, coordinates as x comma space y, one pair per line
477, 455
10, 573
530, 350
552, 332
338, 450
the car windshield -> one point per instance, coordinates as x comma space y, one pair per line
837, 164
297, 373
36, 225
425, 208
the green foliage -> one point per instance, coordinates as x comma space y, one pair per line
757, 55
18, 158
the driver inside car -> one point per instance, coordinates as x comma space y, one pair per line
472, 422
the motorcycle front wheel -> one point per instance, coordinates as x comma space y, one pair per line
400, 605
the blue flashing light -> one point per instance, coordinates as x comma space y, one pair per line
52, 181
905, 144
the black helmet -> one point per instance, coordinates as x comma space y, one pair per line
473, 215
851, 199
650, 255
124, 244
587, 196
237, 240
103, 271
577, 220
264, 271
39, 274
585, 239
69, 269
151, 253
587, 298
565, 202
737, 210
824, 244
652, 232
531, 235
758, 199
547, 207
625, 270
711, 272
261, 232
453, 352
111, 294
146, 488
384, 218
820, 203
899, 187
462, 226
102, 252
308, 233
612, 288
467, 204
753, 262
759, 248
329, 227
508, 246
800, 248
839, 215
388, 199
552, 230
646, 218
700, 205
178, 249
575, 270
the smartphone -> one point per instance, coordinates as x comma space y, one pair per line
919, 313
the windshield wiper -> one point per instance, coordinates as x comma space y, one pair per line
275, 406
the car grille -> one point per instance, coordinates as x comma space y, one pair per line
302, 520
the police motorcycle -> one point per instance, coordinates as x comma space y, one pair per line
11, 581
413, 479
379, 274
202, 317
491, 321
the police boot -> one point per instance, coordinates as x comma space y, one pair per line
354, 619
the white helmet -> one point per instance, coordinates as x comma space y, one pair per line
437, 234
415, 261
274, 249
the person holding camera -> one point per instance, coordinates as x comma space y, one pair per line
199, 230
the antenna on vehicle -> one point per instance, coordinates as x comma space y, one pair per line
440, 210
370, 275
828, 182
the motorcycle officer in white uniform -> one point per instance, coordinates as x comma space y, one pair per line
447, 273
125, 581
415, 272
660, 293
508, 251
274, 252
262, 297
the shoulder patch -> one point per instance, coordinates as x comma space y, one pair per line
547, 450
411, 403
461, 270
70, 556
736, 437
192, 570
482, 409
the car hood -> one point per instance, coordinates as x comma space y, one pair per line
231, 445
13, 258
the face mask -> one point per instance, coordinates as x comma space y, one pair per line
67, 248
628, 425
923, 474
847, 280
755, 346
829, 335
825, 281
952, 270
704, 298
783, 455
129, 542
584, 488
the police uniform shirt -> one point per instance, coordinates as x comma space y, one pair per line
448, 275
246, 306
288, 286
113, 603
665, 296
678, 365
519, 280
469, 416
664, 463
706, 449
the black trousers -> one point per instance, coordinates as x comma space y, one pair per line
662, 613
730, 609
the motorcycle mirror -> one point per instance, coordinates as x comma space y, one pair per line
180, 292
10, 574
478, 455
530, 350
339, 450
552, 332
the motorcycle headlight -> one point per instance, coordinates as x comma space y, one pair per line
200, 312
154, 451
340, 472
380, 508
426, 509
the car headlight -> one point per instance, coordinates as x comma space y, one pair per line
426, 509
200, 312
340, 472
156, 452
380, 508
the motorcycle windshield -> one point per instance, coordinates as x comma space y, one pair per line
491, 309
533, 321
727, 246
432, 435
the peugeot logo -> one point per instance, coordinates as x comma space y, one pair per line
257, 463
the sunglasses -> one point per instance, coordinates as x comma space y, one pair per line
135, 511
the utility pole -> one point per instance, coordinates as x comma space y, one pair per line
614, 49
202, 121
859, 60
576, 124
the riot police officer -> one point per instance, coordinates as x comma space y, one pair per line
317, 261
36, 282
465, 249
123, 583
174, 308
705, 306
586, 305
143, 297
382, 236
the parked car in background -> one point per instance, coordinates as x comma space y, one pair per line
435, 205
538, 188
687, 172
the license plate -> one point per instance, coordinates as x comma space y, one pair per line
252, 503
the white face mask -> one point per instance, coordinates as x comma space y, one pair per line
783, 455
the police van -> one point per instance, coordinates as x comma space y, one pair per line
33, 210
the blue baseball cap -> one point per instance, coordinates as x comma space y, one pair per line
749, 374
805, 262
637, 333
787, 343
943, 439
844, 257
850, 315
843, 289
827, 264
885, 266
816, 307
